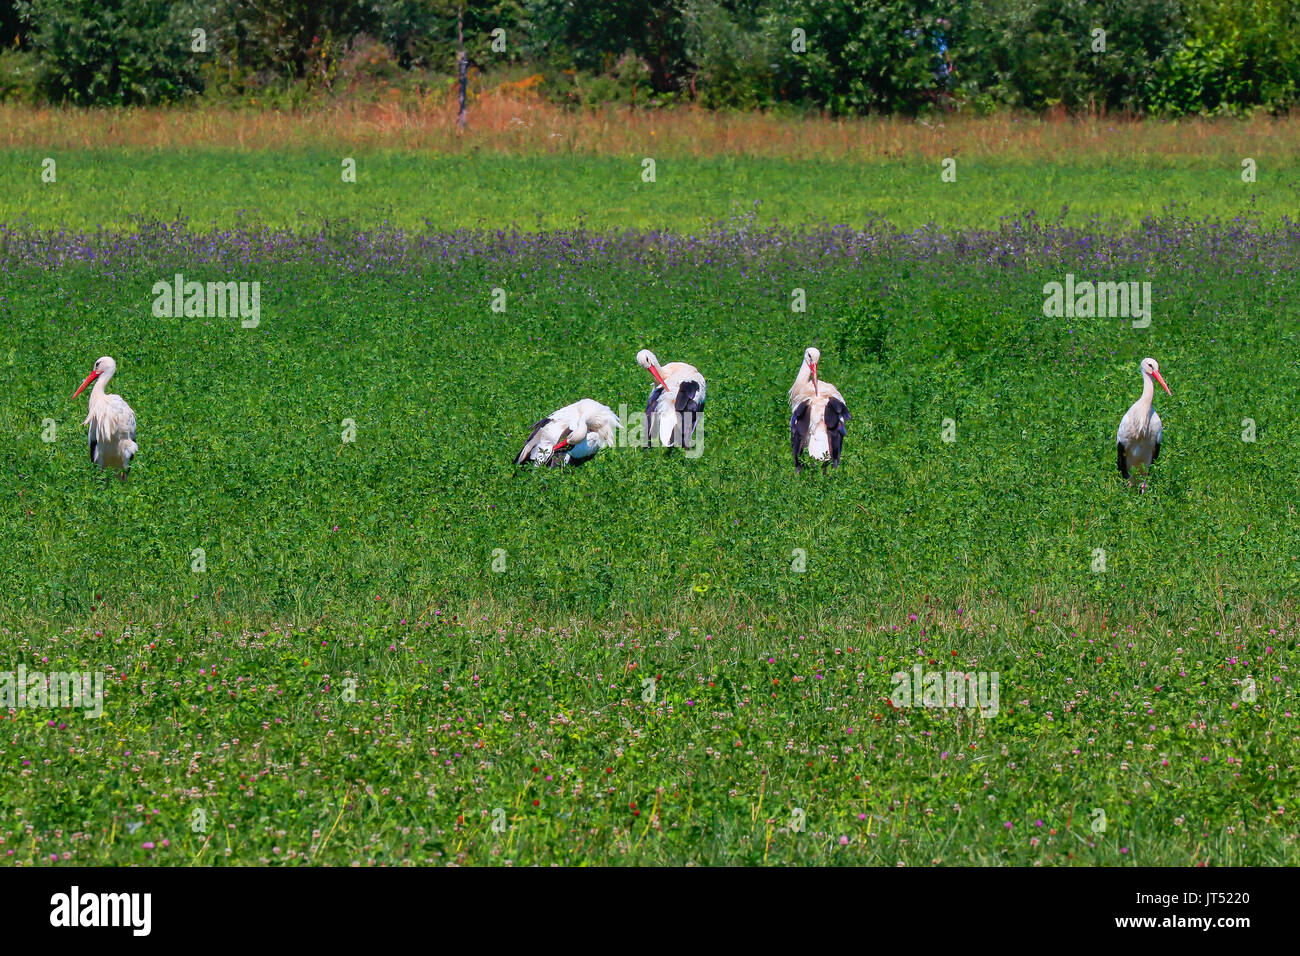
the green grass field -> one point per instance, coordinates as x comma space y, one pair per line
401, 649
220, 189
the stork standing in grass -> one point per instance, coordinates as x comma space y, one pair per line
571, 435
676, 402
818, 415
1140, 431
111, 421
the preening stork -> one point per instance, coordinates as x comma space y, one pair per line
111, 421
818, 414
676, 402
1140, 431
571, 435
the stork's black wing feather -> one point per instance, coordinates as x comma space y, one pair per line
799, 432
1155, 454
1123, 463
685, 401
689, 406
836, 415
649, 411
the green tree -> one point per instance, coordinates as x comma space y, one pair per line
423, 32
1238, 54
114, 52
1034, 54
731, 51
290, 39
862, 56
593, 34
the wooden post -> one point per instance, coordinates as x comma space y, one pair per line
462, 63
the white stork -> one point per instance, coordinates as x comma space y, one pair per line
111, 421
1138, 438
676, 402
572, 435
818, 414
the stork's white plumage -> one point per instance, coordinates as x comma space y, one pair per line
571, 435
1140, 430
111, 421
676, 402
817, 415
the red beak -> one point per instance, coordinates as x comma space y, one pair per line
658, 376
1156, 376
94, 375
814, 378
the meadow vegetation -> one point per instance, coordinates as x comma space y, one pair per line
528, 165
338, 626
395, 642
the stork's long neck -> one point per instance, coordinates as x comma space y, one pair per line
100, 389
1143, 406
802, 382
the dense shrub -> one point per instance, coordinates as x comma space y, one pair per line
116, 52
867, 56
1035, 54
733, 52
1241, 53
595, 35
18, 71
429, 37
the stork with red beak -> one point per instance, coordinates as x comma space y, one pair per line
818, 415
111, 421
676, 402
571, 435
1140, 431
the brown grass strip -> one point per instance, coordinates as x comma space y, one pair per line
511, 122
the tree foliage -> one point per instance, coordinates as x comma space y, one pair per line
838, 56
114, 52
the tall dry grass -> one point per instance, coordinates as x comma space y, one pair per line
519, 123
